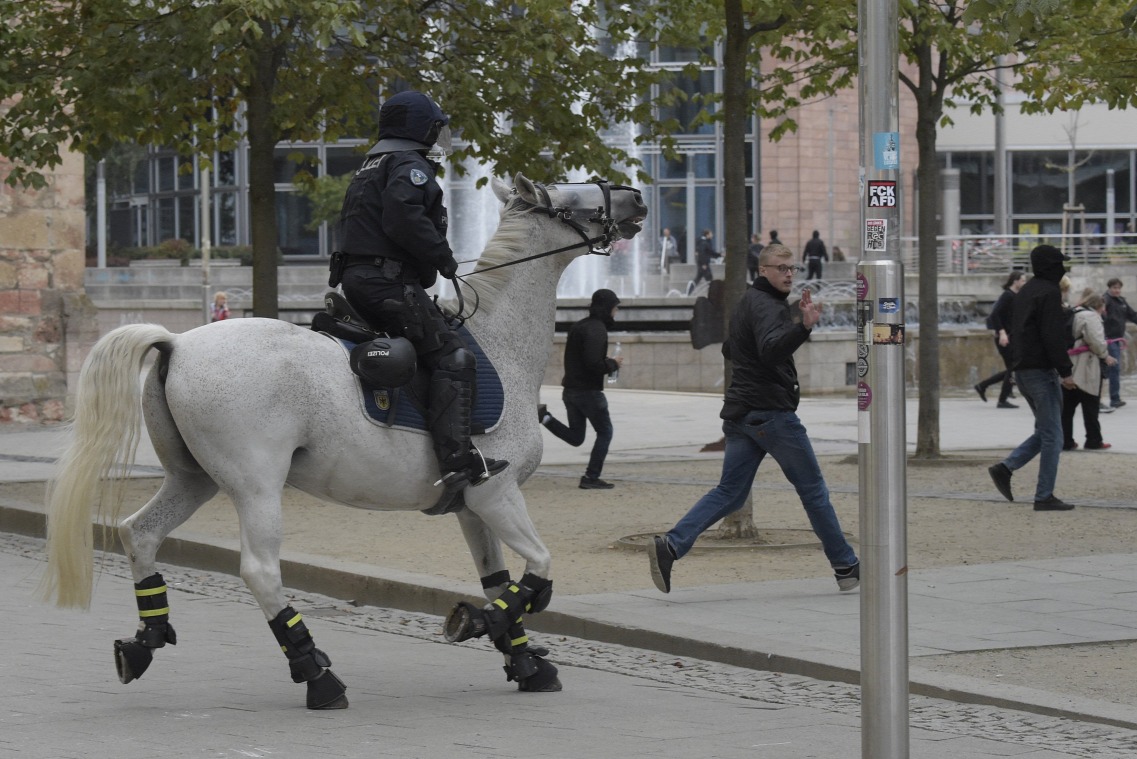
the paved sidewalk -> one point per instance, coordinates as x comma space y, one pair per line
800, 627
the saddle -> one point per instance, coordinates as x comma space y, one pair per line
405, 407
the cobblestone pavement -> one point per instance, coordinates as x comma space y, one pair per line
938, 728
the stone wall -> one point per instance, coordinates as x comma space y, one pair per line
46, 321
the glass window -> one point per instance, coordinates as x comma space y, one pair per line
285, 164
1091, 179
673, 216
976, 182
293, 212
225, 209
684, 109
671, 168
1039, 182
187, 218
226, 169
167, 220
167, 171
186, 175
704, 164
142, 177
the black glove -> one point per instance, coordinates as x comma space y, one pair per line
448, 268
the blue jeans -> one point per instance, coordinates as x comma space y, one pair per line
782, 435
1114, 373
582, 406
1043, 392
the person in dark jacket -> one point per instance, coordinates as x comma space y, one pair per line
1042, 369
813, 255
704, 253
393, 232
1117, 313
587, 365
999, 322
759, 418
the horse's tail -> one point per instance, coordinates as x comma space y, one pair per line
92, 470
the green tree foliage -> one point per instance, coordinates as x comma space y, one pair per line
525, 83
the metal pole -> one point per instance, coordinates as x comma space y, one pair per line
206, 242
101, 215
880, 390
1001, 225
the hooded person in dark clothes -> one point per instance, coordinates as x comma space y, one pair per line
1042, 369
587, 365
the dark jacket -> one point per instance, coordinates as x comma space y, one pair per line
1117, 312
763, 338
586, 350
1002, 313
705, 251
1038, 335
393, 209
815, 250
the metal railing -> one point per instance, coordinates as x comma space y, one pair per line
991, 254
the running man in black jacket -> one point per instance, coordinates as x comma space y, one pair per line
587, 365
759, 418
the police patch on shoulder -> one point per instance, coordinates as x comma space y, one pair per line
419, 177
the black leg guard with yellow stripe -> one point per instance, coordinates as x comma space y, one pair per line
132, 656
501, 621
307, 663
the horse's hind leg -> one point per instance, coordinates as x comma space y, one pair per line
501, 619
261, 538
142, 533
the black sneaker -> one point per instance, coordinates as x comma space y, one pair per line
1119, 404
1006, 404
1002, 477
848, 578
542, 412
1052, 503
595, 483
660, 559
982, 392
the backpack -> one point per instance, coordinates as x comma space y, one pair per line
1071, 338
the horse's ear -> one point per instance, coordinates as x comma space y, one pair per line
500, 189
525, 188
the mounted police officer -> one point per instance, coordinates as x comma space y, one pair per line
393, 241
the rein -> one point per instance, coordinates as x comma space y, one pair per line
601, 215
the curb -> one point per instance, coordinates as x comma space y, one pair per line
368, 585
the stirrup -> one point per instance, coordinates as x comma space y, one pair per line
473, 474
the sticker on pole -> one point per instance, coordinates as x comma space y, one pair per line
886, 146
862, 286
864, 396
888, 334
882, 194
876, 234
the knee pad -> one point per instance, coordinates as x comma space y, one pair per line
459, 363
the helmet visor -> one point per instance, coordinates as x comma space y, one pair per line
443, 146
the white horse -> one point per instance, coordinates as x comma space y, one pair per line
247, 406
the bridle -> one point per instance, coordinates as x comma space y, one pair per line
599, 245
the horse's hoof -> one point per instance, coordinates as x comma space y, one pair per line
544, 681
131, 659
327, 692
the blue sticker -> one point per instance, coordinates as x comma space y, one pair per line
886, 146
419, 177
888, 305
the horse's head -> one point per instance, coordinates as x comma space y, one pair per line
597, 209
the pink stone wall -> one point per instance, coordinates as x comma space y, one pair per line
46, 321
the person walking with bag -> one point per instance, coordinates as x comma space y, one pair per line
1088, 354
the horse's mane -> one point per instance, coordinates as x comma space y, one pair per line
507, 244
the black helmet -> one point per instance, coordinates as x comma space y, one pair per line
411, 121
385, 361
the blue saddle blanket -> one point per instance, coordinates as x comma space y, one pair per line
404, 406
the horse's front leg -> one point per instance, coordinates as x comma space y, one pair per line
261, 537
501, 619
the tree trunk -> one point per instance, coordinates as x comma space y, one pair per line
735, 114
262, 186
928, 108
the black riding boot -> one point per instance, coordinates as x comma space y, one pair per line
449, 421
